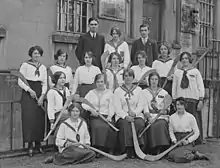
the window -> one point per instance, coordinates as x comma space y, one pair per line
73, 15
206, 22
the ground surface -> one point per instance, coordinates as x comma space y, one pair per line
211, 148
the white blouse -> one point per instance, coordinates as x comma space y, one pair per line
162, 67
122, 48
183, 123
55, 102
103, 102
66, 70
29, 73
84, 75
196, 88
65, 133
139, 72
148, 97
110, 78
136, 102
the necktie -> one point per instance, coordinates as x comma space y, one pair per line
185, 81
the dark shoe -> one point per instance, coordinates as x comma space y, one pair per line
130, 152
48, 160
201, 156
41, 150
30, 152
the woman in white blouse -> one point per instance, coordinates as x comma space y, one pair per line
114, 72
84, 76
103, 136
56, 98
141, 68
119, 46
61, 57
75, 129
157, 136
181, 124
33, 117
124, 117
163, 65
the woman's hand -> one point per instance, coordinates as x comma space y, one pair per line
51, 126
185, 142
32, 93
199, 106
129, 119
170, 77
94, 113
109, 119
131, 113
40, 100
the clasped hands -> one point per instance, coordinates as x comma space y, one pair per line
130, 117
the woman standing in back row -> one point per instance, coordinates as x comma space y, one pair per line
33, 117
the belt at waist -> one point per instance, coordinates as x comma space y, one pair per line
85, 84
191, 100
180, 135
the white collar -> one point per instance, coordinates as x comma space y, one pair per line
92, 34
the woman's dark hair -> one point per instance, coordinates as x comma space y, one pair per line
130, 72
188, 55
97, 77
59, 53
166, 44
90, 54
142, 53
57, 75
113, 54
181, 100
154, 74
118, 31
73, 105
32, 49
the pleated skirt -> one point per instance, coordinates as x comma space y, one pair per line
74, 155
32, 115
125, 138
102, 135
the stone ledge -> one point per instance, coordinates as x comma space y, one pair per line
65, 37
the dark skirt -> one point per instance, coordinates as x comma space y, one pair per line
182, 154
125, 138
83, 89
191, 107
168, 86
33, 117
74, 155
157, 135
102, 135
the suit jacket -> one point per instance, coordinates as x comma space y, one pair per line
87, 43
150, 48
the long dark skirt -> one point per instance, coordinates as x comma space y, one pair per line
74, 155
192, 108
168, 86
182, 154
102, 134
157, 135
125, 137
33, 117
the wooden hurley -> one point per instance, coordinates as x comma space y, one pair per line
167, 102
21, 77
146, 74
152, 158
85, 101
113, 157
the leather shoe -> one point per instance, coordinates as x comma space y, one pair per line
41, 150
48, 160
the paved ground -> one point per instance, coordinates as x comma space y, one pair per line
211, 148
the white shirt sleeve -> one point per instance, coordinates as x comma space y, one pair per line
174, 86
61, 138
86, 135
51, 105
111, 108
200, 85
195, 129
171, 130
126, 55
89, 96
140, 104
75, 81
44, 81
118, 106
23, 71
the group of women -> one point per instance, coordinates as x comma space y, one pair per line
118, 94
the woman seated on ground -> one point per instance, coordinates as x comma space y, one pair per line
141, 68
124, 116
157, 136
114, 72
61, 57
56, 98
181, 124
75, 129
103, 137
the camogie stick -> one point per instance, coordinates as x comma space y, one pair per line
22, 78
153, 158
167, 102
69, 99
85, 101
145, 75
113, 157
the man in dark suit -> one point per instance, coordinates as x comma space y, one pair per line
91, 41
146, 44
